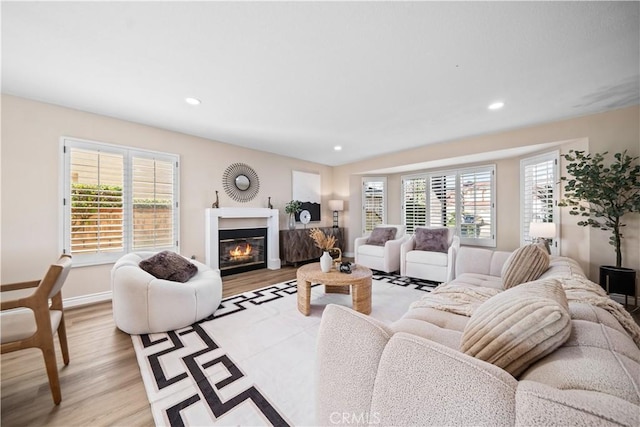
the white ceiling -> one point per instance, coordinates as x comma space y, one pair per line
298, 78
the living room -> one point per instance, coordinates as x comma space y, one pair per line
35, 120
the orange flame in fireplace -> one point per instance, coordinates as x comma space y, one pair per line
241, 251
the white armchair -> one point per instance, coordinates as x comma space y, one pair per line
384, 257
144, 304
437, 266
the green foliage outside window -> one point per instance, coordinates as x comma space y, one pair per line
86, 198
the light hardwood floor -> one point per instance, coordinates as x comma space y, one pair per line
102, 385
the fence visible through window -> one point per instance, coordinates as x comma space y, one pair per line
117, 200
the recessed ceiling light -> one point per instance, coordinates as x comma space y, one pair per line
192, 101
496, 105
338, 147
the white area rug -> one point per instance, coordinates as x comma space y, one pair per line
253, 362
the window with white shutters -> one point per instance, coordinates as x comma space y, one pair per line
476, 205
539, 194
414, 204
117, 200
442, 199
373, 203
461, 199
153, 202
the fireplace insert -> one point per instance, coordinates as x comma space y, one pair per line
242, 249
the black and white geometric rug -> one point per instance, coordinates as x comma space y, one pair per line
252, 362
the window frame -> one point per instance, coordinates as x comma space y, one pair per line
458, 173
410, 227
128, 154
366, 180
524, 222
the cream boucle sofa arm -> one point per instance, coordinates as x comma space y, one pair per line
349, 348
367, 375
421, 382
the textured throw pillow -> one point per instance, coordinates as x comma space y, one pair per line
169, 266
524, 265
432, 239
380, 235
519, 326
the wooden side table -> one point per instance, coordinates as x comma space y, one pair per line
335, 282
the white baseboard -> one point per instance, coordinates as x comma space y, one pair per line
86, 299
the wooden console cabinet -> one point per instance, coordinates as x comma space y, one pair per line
296, 245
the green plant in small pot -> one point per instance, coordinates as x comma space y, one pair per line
602, 194
292, 208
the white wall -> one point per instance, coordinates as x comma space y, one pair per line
30, 172
612, 131
31, 197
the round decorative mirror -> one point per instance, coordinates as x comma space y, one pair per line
240, 182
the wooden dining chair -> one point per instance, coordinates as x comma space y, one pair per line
28, 320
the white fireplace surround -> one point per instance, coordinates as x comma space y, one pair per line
212, 229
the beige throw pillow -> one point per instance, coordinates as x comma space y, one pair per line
519, 326
525, 264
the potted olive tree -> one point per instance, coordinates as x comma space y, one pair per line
602, 194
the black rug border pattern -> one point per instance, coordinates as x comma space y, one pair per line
228, 306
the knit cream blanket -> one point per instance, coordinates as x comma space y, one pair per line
464, 300
458, 299
581, 290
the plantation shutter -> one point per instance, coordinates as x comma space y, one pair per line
414, 202
116, 200
153, 202
538, 192
96, 202
373, 203
442, 200
464, 200
476, 204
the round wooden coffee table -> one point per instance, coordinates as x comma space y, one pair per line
335, 282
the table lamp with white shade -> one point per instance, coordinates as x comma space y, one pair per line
336, 206
543, 232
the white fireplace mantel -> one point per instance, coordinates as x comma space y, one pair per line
212, 229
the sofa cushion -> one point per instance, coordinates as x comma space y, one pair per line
519, 326
524, 265
596, 357
483, 280
430, 258
432, 239
480, 261
538, 404
169, 265
371, 250
380, 235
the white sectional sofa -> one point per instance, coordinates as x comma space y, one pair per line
412, 372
